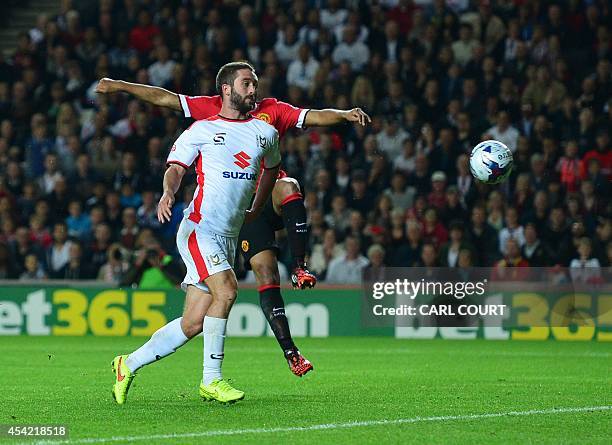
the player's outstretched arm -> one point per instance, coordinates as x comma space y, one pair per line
330, 116
172, 181
266, 184
154, 95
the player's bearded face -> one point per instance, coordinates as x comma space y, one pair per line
243, 104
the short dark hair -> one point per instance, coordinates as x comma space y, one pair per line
227, 73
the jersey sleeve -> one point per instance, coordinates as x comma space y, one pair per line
200, 107
272, 157
184, 151
287, 116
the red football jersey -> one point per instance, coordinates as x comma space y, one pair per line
280, 115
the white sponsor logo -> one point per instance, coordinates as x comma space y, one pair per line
31, 312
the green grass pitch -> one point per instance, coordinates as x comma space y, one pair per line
363, 390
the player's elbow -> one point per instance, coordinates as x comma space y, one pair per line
168, 99
173, 177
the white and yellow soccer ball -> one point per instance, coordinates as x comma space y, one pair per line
491, 162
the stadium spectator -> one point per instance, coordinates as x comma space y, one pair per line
391, 139
504, 132
347, 268
343, 176
302, 70
449, 252
401, 196
454, 209
142, 35
51, 174
464, 47
351, 50
160, 72
287, 46
429, 256
338, 218
324, 252
437, 196
115, 268
557, 236
533, 250
76, 268
512, 229
33, 269
375, 270
97, 251
585, 268
78, 223
484, 238
58, 254
509, 267
360, 198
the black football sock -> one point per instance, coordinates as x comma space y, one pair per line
294, 217
273, 308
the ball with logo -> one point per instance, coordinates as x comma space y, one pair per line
491, 162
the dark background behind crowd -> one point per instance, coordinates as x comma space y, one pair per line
80, 173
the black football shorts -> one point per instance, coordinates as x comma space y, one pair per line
260, 234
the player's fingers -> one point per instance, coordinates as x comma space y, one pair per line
160, 211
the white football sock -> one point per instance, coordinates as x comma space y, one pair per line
214, 343
162, 343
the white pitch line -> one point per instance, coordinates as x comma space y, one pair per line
332, 426
383, 351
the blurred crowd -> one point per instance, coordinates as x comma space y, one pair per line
80, 173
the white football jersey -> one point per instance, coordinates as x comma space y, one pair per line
228, 155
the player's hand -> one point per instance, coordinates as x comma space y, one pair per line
251, 215
358, 115
106, 85
164, 208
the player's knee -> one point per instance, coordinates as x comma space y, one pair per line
266, 274
285, 187
191, 326
224, 303
226, 295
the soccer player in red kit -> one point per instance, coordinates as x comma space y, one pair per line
285, 208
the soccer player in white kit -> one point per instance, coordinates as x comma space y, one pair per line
228, 151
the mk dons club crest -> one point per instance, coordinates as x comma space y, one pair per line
214, 259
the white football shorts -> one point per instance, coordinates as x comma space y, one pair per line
204, 253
